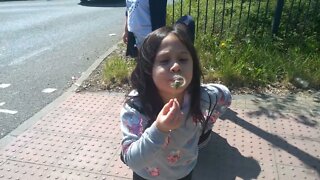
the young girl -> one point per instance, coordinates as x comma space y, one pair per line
168, 110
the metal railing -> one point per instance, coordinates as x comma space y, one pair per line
242, 17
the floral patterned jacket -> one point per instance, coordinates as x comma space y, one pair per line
153, 154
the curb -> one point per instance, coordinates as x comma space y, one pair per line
32, 120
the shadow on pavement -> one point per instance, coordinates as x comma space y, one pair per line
103, 3
219, 160
306, 113
307, 159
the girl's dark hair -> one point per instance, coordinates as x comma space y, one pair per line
141, 77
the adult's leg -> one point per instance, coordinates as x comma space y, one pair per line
131, 46
158, 12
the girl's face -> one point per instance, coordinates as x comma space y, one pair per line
172, 59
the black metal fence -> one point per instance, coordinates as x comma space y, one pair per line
282, 17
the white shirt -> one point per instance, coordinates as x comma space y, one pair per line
139, 21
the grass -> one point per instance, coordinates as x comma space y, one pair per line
252, 60
117, 70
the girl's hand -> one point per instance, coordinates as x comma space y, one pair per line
170, 117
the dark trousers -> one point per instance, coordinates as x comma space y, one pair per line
137, 177
132, 50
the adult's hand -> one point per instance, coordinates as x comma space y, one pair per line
125, 37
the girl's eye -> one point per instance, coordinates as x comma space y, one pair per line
165, 61
183, 60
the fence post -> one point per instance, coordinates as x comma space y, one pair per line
277, 16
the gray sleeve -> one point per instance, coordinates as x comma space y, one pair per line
220, 97
139, 146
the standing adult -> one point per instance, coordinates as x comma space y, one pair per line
142, 17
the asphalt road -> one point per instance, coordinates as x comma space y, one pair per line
48, 44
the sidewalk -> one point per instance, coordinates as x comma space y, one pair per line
260, 137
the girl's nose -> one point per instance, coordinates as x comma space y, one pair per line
175, 67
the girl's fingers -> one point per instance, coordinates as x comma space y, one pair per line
175, 115
177, 103
172, 111
167, 107
170, 115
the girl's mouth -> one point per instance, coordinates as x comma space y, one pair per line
178, 81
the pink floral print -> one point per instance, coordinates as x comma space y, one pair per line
174, 156
134, 125
153, 171
214, 117
223, 101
